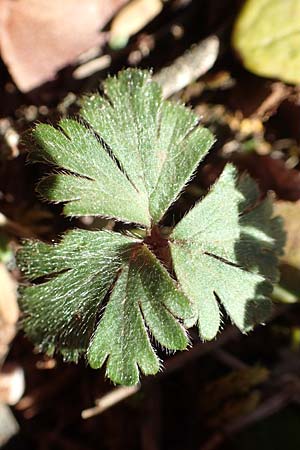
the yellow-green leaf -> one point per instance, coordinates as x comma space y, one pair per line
267, 37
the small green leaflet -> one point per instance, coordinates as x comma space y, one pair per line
143, 287
230, 259
109, 295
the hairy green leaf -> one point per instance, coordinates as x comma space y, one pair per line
90, 181
132, 157
111, 296
156, 142
231, 243
144, 294
72, 279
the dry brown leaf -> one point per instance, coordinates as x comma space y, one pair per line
271, 174
288, 290
12, 384
8, 425
9, 311
290, 211
39, 37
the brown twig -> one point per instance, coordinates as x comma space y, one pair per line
110, 399
194, 63
173, 364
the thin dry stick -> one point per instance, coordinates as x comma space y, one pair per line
41, 394
194, 63
177, 362
89, 68
110, 399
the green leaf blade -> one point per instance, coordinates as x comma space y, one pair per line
232, 256
60, 312
75, 275
137, 148
95, 186
159, 146
121, 336
112, 297
197, 288
82, 197
142, 298
185, 146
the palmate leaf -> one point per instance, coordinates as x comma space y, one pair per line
156, 144
109, 295
62, 311
225, 250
